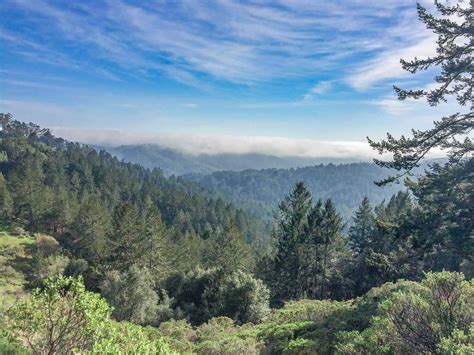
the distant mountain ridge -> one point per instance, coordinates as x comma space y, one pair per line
258, 182
174, 162
260, 191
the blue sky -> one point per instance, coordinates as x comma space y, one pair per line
290, 78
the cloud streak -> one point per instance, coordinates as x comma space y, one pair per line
218, 144
242, 42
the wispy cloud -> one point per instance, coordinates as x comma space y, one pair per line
237, 41
386, 65
318, 89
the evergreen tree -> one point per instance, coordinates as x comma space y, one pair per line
362, 230
455, 31
126, 249
6, 202
442, 224
32, 199
131, 294
229, 251
291, 226
89, 231
157, 247
331, 242
310, 253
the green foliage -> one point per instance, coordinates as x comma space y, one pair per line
47, 260
313, 324
6, 202
243, 297
61, 317
442, 224
261, 190
222, 336
203, 294
179, 334
435, 317
15, 255
128, 338
300, 346
362, 231
453, 26
310, 244
110, 213
459, 342
229, 251
131, 294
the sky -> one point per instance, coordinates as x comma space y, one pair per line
305, 78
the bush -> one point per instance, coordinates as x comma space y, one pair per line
131, 294
128, 338
64, 318
179, 334
47, 260
427, 318
60, 318
203, 294
243, 298
76, 267
221, 336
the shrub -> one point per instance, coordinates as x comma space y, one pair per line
179, 334
64, 318
131, 294
221, 336
61, 317
203, 294
432, 317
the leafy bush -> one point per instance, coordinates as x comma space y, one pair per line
435, 316
131, 294
128, 338
63, 317
179, 334
47, 260
203, 294
221, 336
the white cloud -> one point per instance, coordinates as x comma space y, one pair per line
387, 65
216, 144
320, 88
236, 41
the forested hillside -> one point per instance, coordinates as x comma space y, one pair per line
81, 196
178, 261
103, 256
174, 162
260, 190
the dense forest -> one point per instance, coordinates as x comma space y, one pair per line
99, 255
175, 162
259, 191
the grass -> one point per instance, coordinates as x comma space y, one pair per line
14, 252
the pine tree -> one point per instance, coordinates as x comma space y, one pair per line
310, 253
229, 251
126, 237
6, 202
89, 231
361, 233
157, 249
291, 226
331, 241
454, 55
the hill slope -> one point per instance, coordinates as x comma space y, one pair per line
261, 190
173, 162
